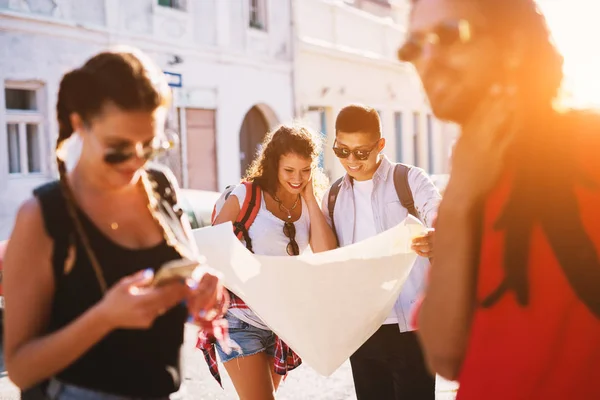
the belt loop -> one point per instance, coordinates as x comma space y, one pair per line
54, 388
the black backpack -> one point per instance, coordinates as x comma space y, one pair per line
402, 190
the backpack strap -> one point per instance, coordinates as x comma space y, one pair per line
220, 202
248, 213
332, 198
162, 178
403, 189
57, 223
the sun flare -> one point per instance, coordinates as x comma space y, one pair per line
576, 29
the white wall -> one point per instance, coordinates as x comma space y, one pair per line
53, 56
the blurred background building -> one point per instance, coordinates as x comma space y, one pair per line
237, 68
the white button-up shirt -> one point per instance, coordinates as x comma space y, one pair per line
389, 212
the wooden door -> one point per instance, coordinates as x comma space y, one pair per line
201, 149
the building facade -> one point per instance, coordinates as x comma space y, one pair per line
229, 63
236, 67
345, 52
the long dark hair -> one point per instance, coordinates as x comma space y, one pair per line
122, 78
286, 139
543, 195
545, 161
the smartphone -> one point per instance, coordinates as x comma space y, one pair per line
180, 269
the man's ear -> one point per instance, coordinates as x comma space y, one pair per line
77, 122
381, 145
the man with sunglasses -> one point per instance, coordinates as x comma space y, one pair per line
512, 309
390, 364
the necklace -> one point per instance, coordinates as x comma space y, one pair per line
284, 208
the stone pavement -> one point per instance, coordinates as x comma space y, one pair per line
303, 383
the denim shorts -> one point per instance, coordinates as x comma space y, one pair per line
58, 390
252, 340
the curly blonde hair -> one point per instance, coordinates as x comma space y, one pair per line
286, 139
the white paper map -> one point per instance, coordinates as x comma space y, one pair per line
324, 305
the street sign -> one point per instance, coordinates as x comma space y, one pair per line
174, 79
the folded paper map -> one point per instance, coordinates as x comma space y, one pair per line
323, 305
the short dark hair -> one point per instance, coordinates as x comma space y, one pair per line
358, 118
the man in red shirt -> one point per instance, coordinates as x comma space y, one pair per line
512, 310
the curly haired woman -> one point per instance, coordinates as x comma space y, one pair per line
288, 221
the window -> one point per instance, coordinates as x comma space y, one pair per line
20, 99
430, 143
316, 117
176, 4
258, 14
416, 135
323, 121
398, 129
23, 130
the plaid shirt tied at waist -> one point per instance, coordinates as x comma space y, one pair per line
285, 358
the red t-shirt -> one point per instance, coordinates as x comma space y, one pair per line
550, 348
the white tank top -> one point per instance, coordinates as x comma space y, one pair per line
266, 233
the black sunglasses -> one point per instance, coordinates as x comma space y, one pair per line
343, 152
157, 146
442, 36
289, 230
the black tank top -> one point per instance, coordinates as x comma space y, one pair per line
139, 363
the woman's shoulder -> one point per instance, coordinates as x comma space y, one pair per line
240, 192
30, 211
33, 222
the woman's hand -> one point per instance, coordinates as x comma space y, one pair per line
308, 193
207, 304
133, 304
207, 299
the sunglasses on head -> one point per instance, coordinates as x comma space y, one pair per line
289, 230
359, 154
147, 151
442, 36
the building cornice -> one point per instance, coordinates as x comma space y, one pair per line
11, 21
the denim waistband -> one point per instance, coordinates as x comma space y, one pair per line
58, 390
